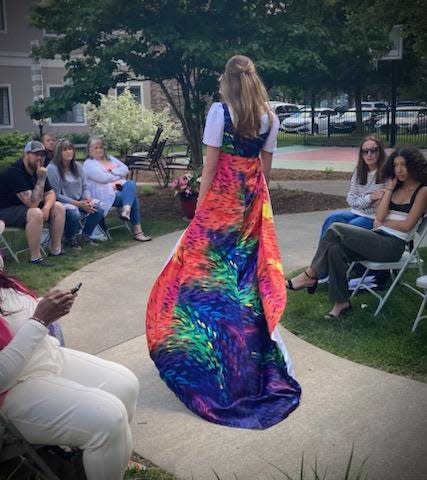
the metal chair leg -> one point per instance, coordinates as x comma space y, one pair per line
420, 311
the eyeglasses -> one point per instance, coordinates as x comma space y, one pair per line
373, 150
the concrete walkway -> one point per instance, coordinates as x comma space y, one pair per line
343, 403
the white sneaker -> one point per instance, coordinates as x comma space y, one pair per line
323, 280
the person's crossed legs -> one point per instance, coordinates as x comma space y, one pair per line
88, 404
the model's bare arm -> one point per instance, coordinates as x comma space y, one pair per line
209, 171
266, 161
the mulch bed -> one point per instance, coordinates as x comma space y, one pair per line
284, 174
161, 204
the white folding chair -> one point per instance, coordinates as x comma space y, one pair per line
422, 284
14, 253
409, 259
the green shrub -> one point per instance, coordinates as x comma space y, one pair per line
11, 146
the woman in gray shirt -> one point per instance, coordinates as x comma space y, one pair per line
68, 180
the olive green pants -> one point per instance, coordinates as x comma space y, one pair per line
343, 244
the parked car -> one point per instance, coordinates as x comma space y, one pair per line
346, 122
408, 119
301, 122
283, 110
381, 106
408, 103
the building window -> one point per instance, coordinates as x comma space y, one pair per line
135, 90
74, 116
5, 108
2, 16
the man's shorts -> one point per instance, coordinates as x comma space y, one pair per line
15, 216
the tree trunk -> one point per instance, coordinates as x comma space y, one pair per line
190, 118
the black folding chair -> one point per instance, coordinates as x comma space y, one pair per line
47, 462
177, 161
150, 152
153, 163
14, 445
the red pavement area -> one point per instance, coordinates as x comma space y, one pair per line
341, 154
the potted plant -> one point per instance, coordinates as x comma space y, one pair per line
187, 188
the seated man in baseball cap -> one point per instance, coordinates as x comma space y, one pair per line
27, 200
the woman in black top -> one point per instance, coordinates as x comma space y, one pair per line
397, 217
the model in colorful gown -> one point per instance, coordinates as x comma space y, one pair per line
213, 311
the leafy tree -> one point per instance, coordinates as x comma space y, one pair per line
124, 125
103, 42
327, 46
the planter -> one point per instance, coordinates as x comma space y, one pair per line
188, 206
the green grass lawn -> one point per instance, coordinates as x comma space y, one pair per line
42, 279
384, 342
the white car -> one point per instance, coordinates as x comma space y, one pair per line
408, 119
375, 105
301, 122
283, 110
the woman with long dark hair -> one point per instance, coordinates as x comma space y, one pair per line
397, 217
68, 180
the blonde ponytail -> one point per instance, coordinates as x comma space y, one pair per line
243, 90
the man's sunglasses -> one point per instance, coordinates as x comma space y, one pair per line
373, 150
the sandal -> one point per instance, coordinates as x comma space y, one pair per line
310, 289
344, 311
141, 237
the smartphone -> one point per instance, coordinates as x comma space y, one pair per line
76, 288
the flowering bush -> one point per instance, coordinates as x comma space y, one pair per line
187, 186
125, 125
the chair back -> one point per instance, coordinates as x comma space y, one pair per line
155, 141
421, 233
157, 155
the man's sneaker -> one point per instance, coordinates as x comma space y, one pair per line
40, 262
72, 243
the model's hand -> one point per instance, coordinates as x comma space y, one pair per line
55, 304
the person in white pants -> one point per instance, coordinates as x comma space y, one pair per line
59, 396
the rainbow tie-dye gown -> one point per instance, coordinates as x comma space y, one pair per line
215, 306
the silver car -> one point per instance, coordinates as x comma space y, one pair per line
408, 119
346, 122
301, 122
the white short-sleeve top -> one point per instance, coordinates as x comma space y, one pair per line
214, 128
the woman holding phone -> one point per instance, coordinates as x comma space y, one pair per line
106, 176
58, 396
